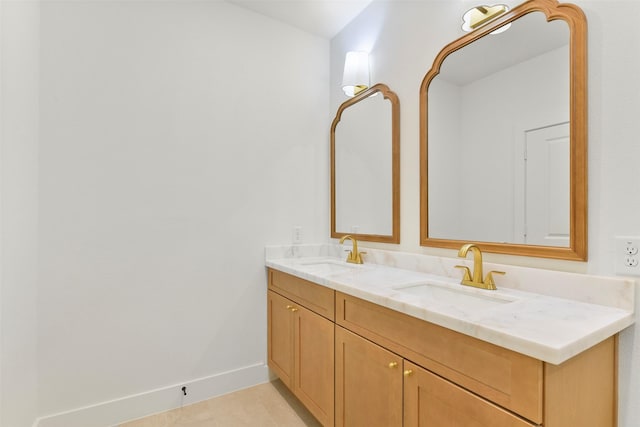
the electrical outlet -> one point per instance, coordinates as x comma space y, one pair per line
297, 234
627, 255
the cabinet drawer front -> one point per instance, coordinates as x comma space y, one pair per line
314, 297
507, 378
432, 401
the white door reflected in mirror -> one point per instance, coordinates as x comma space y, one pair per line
547, 188
480, 108
482, 94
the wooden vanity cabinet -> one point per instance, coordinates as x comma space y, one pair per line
301, 343
386, 368
368, 383
375, 387
280, 335
432, 401
509, 379
460, 381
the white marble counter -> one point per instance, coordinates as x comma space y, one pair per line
544, 324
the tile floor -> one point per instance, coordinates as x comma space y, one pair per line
264, 405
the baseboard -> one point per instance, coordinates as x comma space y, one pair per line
128, 408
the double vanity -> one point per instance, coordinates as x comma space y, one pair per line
399, 341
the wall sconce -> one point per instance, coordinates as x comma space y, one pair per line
478, 16
356, 73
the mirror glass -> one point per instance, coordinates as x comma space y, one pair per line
364, 169
500, 160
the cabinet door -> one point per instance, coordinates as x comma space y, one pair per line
368, 383
280, 337
313, 361
431, 401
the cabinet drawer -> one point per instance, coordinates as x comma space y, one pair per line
507, 378
316, 298
430, 400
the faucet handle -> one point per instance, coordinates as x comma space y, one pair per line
467, 272
491, 284
359, 257
350, 255
355, 257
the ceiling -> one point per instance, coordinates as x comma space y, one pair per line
528, 37
324, 18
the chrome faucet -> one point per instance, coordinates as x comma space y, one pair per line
354, 256
476, 281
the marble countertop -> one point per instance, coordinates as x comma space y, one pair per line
545, 327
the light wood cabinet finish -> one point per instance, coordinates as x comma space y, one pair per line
316, 298
314, 364
301, 352
505, 377
368, 383
455, 380
582, 392
432, 401
280, 337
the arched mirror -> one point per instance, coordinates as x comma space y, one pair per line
503, 131
365, 167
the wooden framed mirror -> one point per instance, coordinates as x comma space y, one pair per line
365, 167
503, 136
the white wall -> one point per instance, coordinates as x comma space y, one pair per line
18, 210
486, 150
404, 37
444, 126
363, 168
177, 139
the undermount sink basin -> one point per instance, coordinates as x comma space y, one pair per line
463, 299
328, 266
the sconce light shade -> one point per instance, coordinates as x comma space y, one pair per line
356, 73
480, 15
